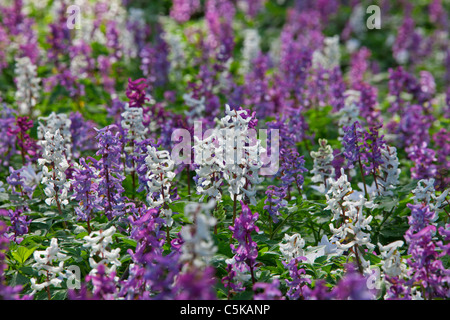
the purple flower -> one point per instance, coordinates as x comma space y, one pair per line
196, 284
337, 89
230, 282
352, 144
372, 145
420, 217
154, 63
246, 252
19, 223
353, 286
85, 190
182, 10
256, 87
368, 104
6, 292
299, 282
425, 267
27, 145
153, 274
82, 133
269, 291
441, 141
275, 201
291, 169
110, 171
136, 92
319, 292
359, 64
423, 159
104, 285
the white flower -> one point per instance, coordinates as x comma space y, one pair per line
330, 56
241, 154
196, 107
27, 81
322, 168
425, 193
389, 171
133, 124
323, 248
250, 49
44, 265
198, 247
210, 165
293, 248
31, 177
392, 261
242, 275
352, 225
55, 180
350, 112
99, 243
51, 124
159, 180
337, 194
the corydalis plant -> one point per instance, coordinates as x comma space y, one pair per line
246, 252
28, 88
134, 132
98, 243
85, 191
322, 167
27, 145
275, 201
45, 265
54, 122
159, 178
352, 225
109, 171
242, 154
198, 246
54, 166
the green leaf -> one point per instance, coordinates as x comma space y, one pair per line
22, 254
130, 242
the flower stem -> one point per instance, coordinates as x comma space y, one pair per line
363, 178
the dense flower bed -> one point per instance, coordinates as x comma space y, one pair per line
121, 124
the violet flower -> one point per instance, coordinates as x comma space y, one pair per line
136, 92
299, 282
268, 291
85, 191
373, 143
182, 10
441, 141
104, 285
22, 181
19, 224
352, 144
6, 292
196, 284
27, 145
425, 267
246, 252
82, 133
292, 168
109, 171
353, 286
423, 159
275, 201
